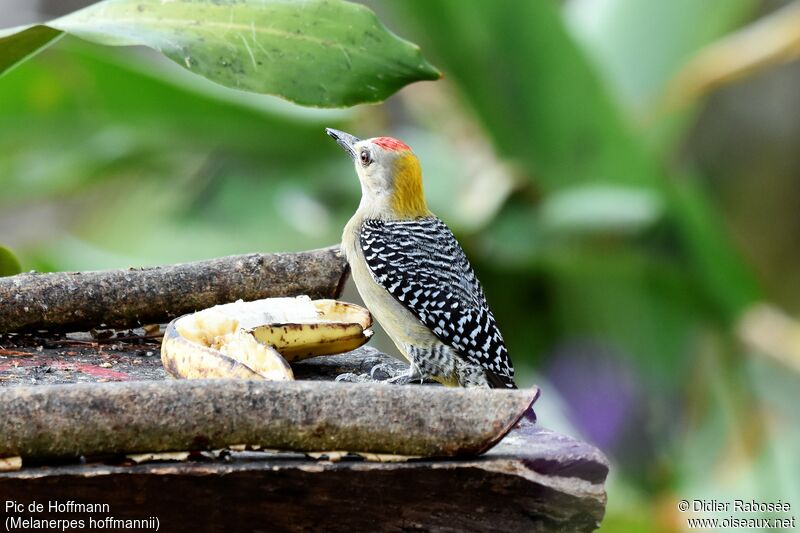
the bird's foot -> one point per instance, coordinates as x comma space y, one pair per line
350, 377
409, 376
384, 373
402, 379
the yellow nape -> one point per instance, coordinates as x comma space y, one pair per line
408, 198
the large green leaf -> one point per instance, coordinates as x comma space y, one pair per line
325, 53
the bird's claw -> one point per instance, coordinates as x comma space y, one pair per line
409, 376
350, 377
402, 379
382, 373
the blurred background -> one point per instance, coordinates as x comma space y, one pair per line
623, 174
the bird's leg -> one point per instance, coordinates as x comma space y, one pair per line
380, 373
383, 371
350, 377
412, 374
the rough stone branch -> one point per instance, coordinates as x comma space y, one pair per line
77, 301
113, 418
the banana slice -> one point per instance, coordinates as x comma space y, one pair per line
253, 340
340, 327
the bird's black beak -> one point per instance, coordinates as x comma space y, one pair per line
345, 140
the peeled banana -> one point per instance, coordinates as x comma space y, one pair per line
211, 345
254, 340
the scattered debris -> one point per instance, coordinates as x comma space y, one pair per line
140, 458
14, 353
10, 464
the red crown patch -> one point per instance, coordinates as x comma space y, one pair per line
390, 143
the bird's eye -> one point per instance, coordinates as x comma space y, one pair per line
366, 159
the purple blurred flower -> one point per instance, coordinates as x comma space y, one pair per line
600, 388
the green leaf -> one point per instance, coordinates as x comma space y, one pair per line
728, 282
601, 208
17, 44
9, 264
637, 64
617, 36
325, 53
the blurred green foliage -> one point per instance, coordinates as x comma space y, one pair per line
9, 264
604, 249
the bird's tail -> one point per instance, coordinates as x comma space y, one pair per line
499, 381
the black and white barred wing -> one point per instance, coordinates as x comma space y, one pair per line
422, 265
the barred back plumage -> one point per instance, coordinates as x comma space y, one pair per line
422, 265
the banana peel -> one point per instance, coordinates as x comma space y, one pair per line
231, 355
254, 340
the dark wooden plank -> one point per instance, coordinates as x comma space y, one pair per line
535, 480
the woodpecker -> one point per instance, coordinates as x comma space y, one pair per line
413, 275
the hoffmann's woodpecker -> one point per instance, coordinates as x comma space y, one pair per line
414, 276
